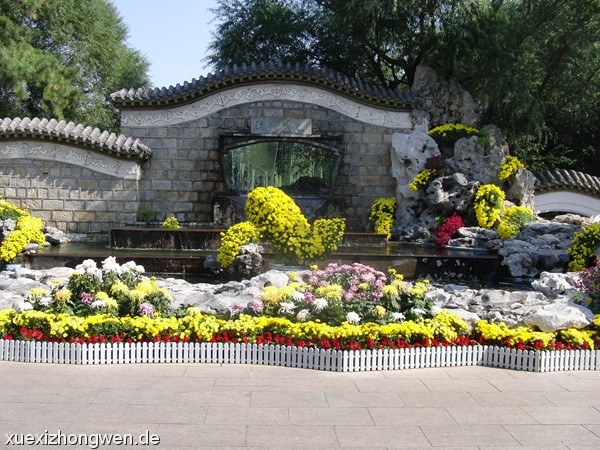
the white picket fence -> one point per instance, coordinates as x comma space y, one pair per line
307, 358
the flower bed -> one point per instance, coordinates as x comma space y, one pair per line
343, 317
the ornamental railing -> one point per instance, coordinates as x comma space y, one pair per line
299, 357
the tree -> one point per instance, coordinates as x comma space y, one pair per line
60, 59
533, 66
379, 41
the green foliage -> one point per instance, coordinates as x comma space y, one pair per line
586, 243
376, 41
62, 58
147, 215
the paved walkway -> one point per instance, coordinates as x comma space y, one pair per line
233, 406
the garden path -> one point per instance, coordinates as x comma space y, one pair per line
243, 406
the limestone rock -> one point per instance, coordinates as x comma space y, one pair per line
520, 188
450, 194
556, 283
560, 315
409, 154
476, 162
444, 101
54, 236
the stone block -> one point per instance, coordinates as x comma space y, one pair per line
10, 192
73, 205
52, 204
161, 185
62, 216
173, 132
31, 203
182, 184
95, 205
129, 206
84, 216
88, 183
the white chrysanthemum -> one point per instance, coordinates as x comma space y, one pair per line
397, 317
419, 311
352, 317
24, 306
286, 307
320, 303
88, 264
110, 265
97, 304
45, 301
129, 266
298, 296
303, 315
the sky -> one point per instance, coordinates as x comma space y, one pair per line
172, 34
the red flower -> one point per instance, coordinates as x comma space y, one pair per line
445, 231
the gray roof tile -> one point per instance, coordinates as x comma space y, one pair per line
555, 179
257, 72
103, 141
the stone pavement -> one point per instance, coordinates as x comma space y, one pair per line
208, 406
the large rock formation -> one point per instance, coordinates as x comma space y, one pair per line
469, 162
539, 247
551, 306
410, 152
444, 101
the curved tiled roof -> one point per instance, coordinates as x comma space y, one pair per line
552, 180
263, 72
75, 133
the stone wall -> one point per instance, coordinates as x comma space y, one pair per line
168, 158
185, 174
78, 191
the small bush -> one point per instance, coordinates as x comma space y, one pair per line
582, 251
513, 219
